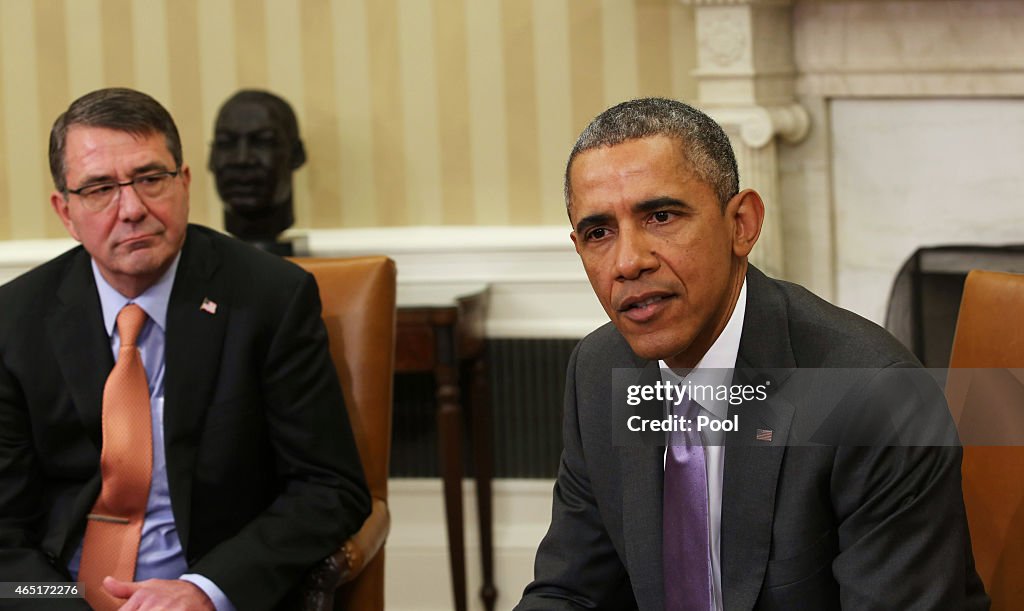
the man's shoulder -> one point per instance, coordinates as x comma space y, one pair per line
606, 344
49, 272
819, 333
42, 281
247, 265
597, 356
29, 298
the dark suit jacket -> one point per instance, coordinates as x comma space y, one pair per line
263, 471
803, 526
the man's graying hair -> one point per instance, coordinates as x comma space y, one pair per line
704, 144
117, 108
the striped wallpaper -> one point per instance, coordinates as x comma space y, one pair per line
414, 112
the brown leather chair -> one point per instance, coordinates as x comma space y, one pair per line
358, 296
987, 406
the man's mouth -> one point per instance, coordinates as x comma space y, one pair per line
242, 189
241, 176
642, 308
646, 302
136, 242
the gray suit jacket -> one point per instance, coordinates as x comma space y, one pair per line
803, 526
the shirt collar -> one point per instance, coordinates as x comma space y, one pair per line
720, 359
153, 300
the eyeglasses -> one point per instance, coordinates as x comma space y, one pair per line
98, 196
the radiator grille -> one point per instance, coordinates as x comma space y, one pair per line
526, 378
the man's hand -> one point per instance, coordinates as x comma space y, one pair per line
168, 594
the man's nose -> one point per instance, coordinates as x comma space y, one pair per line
634, 254
130, 207
241, 151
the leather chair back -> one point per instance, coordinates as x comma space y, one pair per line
990, 334
358, 296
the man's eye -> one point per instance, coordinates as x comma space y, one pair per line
98, 189
662, 216
150, 180
597, 234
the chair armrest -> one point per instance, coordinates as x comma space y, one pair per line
363, 546
348, 562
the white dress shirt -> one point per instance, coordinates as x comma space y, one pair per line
718, 364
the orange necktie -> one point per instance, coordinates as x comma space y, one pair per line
112, 533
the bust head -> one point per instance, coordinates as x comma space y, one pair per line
256, 148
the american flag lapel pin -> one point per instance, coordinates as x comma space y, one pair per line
763, 435
208, 306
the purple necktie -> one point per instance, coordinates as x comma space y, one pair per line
686, 554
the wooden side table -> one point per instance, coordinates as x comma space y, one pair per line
440, 329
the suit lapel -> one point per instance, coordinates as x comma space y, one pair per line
642, 476
752, 466
80, 343
194, 339
751, 476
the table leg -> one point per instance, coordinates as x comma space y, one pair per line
449, 428
483, 453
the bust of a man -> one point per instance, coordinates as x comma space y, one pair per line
256, 148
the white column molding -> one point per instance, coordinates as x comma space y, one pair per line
745, 80
759, 125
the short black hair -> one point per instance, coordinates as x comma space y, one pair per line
117, 108
704, 143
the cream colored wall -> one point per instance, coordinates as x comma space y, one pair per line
414, 112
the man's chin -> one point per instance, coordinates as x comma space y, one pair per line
250, 206
144, 260
653, 346
647, 349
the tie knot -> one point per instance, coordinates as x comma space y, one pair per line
688, 408
129, 323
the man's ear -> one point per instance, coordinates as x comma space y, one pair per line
186, 182
747, 212
298, 154
575, 242
60, 206
186, 175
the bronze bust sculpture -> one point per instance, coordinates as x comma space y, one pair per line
256, 148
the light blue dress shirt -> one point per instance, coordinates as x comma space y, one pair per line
160, 552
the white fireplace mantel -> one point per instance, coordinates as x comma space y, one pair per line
538, 288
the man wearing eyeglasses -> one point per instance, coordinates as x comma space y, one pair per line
242, 490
